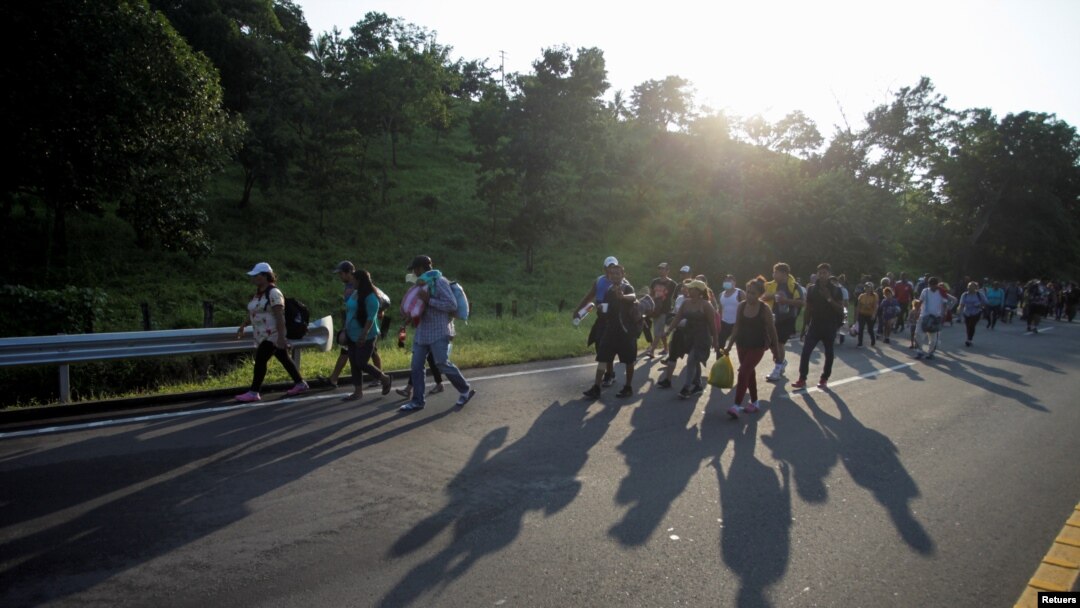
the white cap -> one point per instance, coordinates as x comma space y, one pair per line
611, 261
684, 269
260, 268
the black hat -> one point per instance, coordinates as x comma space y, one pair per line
345, 266
420, 261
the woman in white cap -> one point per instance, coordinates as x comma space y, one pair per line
266, 315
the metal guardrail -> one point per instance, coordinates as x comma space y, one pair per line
64, 350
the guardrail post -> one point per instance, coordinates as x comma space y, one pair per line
145, 316
207, 314
513, 308
65, 384
498, 310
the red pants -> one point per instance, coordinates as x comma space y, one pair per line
747, 378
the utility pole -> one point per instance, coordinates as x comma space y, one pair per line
502, 67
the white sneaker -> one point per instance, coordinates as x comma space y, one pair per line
774, 375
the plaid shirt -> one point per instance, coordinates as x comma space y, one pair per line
437, 323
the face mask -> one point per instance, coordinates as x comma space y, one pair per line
728, 284
410, 278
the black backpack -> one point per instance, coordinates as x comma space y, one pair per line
297, 316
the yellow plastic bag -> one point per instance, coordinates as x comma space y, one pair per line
722, 374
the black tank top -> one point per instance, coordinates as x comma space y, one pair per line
751, 329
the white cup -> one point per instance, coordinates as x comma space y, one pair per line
603, 307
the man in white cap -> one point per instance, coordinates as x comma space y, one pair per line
597, 296
684, 274
616, 338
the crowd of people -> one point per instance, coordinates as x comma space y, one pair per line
365, 322
679, 318
686, 317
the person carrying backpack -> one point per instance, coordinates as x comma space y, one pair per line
361, 331
701, 335
785, 298
434, 334
824, 302
266, 315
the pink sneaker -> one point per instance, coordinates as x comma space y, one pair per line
751, 408
733, 411
297, 388
248, 397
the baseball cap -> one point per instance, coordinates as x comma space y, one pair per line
662, 265
419, 262
684, 269
344, 266
611, 261
260, 268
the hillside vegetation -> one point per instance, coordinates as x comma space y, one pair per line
248, 139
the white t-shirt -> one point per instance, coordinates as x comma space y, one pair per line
730, 305
933, 302
263, 325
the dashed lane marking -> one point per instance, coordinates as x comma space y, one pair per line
1059, 570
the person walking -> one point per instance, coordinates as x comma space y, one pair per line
913, 321
700, 335
823, 305
266, 316
360, 333
1072, 298
344, 270
663, 290
729, 300
935, 304
866, 310
995, 303
1035, 292
972, 306
594, 299
618, 339
888, 309
784, 298
434, 334
905, 292
1013, 296
753, 334
679, 338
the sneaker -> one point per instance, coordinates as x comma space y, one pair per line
373, 384
625, 392
752, 408
733, 411
411, 406
823, 384
783, 367
696, 388
386, 382
608, 380
774, 375
249, 397
685, 392
920, 355
800, 383
405, 392
593, 393
665, 383
297, 388
967, 342
438, 388
464, 398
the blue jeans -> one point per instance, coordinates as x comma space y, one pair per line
440, 349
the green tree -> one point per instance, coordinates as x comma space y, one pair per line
109, 108
664, 104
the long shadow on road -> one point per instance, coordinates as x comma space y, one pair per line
490, 496
144, 493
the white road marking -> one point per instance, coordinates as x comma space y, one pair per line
872, 374
229, 408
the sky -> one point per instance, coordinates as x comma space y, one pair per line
834, 60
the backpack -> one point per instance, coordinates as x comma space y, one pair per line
297, 316
462, 300
384, 300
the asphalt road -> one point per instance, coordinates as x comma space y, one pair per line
934, 484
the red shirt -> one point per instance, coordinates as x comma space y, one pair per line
903, 291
